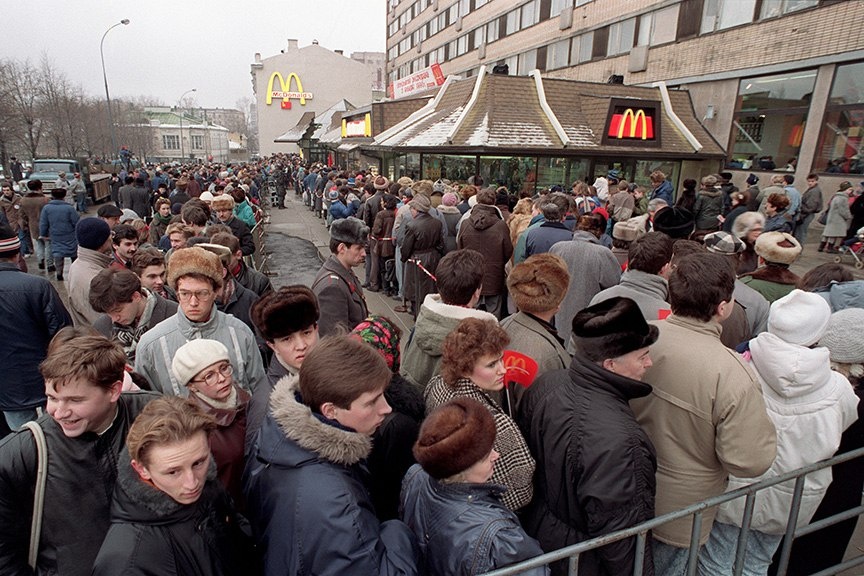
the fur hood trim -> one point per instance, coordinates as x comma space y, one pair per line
310, 432
775, 273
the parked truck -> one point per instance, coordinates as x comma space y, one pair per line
48, 170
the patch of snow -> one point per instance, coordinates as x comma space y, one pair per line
480, 136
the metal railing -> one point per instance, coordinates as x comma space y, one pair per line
640, 531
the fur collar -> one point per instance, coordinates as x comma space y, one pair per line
777, 274
311, 432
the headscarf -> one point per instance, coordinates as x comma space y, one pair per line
380, 332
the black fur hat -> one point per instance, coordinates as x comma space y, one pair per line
280, 313
611, 329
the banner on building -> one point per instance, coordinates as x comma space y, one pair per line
420, 81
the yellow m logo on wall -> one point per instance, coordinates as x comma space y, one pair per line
284, 92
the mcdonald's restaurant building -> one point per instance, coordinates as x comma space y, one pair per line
309, 79
530, 133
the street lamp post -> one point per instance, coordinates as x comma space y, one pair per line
182, 154
123, 22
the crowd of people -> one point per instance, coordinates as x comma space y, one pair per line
580, 362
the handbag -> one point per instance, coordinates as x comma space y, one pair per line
39, 496
823, 217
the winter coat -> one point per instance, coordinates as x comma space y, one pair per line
424, 241
252, 279
592, 268
810, 406
515, 467
664, 191
451, 217
777, 223
755, 306
339, 210
595, 464
649, 291
839, 217
156, 310
773, 281
153, 534
243, 234
340, 297
539, 240
421, 357
707, 420
239, 305
244, 212
731, 216
857, 211
706, 209
57, 222
158, 227
463, 528
811, 202
31, 313
310, 510
621, 205
82, 271
383, 228
11, 207
157, 347
81, 476
259, 404
137, 199
31, 210
487, 233
227, 440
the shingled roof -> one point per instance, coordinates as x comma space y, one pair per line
508, 115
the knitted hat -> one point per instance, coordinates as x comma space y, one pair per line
628, 230
723, 243
10, 245
778, 247
454, 437
222, 202
349, 230
674, 222
92, 233
799, 317
194, 260
383, 335
381, 183
449, 199
843, 336
421, 203
128, 216
539, 284
611, 329
206, 196
196, 355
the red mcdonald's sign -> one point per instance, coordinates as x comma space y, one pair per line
632, 124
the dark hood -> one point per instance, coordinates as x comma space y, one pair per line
483, 216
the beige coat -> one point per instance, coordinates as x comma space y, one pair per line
707, 419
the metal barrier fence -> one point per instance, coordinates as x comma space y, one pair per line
259, 260
640, 531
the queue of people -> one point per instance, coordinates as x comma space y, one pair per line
193, 428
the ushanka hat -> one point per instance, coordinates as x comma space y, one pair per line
280, 313
778, 247
628, 230
611, 329
674, 222
222, 202
349, 231
196, 355
194, 260
454, 437
539, 284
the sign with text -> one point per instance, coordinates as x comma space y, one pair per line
284, 90
420, 81
357, 128
633, 122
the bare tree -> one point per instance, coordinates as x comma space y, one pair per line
20, 84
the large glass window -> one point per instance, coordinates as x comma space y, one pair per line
559, 6
492, 31
479, 36
658, 27
530, 13
527, 62
721, 14
558, 55
581, 48
464, 7
644, 168
406, 165
621, 37
170, 142
514, 172
769, 120
841, 142
512, 25
455, 168
771, 8
551, 172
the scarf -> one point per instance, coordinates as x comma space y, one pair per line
128, 336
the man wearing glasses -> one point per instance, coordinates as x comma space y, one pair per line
196, 276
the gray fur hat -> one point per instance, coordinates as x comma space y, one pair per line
349, 231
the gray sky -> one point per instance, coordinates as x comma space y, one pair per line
172, 46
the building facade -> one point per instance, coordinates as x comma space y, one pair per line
308, 79
179, 136
778, 83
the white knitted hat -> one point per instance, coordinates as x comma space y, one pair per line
799, 318
195, 356
844, 336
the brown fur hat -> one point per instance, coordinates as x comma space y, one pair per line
194, 260
778, 247
454, 437
539, 284
222, 202
424, 187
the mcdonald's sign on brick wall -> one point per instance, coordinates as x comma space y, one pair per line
284, 90
633, 122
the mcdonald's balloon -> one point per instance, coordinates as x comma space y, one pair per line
520, 368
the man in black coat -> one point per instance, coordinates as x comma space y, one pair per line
599, 475
339, 293
85, 431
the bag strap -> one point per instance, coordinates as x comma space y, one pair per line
39, 496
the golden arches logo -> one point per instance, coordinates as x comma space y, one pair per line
634, 121
632, 124
516, 364
285, 89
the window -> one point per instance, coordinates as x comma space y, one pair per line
530, 14
769, 122
464, 7
771, 8
197, 142
462, 45
559, 6
512, 23
658, 27
479, 3
492, 31
527, 62
455, 168
518, 174
170, 142
478, 37
433, 26
453, 13
558, 55
841, 143
722, 14
581, 48
621, 37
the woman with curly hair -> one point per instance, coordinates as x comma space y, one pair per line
472, 365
